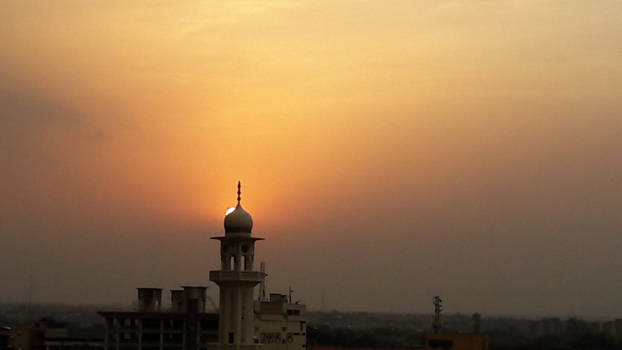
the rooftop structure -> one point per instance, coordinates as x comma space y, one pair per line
186, 324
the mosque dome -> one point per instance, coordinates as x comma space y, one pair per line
238, 220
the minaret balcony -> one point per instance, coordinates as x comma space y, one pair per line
236, 276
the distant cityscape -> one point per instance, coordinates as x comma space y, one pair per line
83, 327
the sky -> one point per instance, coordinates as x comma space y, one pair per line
389, 151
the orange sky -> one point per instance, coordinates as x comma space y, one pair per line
459, 141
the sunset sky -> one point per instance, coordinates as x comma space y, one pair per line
389, 151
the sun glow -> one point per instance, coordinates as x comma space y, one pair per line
229, 211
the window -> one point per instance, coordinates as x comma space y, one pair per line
209, 324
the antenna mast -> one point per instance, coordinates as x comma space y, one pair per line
262, 284
438, 307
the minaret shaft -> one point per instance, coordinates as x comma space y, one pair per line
236, 281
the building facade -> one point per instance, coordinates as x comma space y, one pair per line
185, 325
45, 334
456, 341
280, 324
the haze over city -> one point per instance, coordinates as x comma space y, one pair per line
389, 151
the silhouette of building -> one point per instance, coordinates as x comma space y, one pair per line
46, 334
242, 322
281, 324
185, 325
553, 326
456, 341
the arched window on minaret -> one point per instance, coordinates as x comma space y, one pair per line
248, 262
224, 262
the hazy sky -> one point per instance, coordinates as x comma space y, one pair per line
389, 150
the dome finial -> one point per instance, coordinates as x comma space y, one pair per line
239, 191
237, 220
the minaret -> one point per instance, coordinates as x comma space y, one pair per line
236, 280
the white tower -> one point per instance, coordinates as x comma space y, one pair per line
236, 280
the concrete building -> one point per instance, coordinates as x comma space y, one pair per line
552, 326
558, 328
185, 325
609, 329
274, 324
456, 341
27, 336
242, 322
46, 334
281, 324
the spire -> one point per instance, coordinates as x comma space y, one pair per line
238, 220
239, 192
